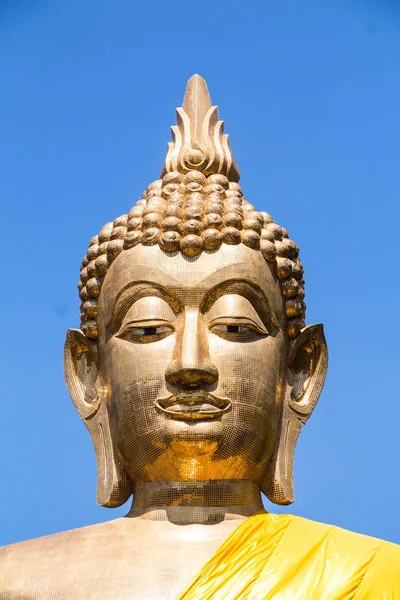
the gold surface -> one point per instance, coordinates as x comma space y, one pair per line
193, 372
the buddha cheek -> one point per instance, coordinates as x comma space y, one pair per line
136, 375
252, 376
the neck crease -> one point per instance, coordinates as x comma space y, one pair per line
206, 502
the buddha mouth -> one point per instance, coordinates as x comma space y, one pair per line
193, 405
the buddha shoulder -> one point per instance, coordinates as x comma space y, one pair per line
64, 563
284, 556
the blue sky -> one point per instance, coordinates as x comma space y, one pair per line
310, 93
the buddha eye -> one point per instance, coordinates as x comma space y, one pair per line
144, 333
232, 328
239, 332
150, 330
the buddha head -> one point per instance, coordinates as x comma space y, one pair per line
193, 361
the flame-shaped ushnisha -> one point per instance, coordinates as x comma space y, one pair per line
198, 139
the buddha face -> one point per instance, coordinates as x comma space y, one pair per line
192, 358
183, 369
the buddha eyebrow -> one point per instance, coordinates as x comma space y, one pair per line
249, 290
128, 296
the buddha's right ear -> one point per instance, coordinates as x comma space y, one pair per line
90, 398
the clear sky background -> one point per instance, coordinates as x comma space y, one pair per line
310, 93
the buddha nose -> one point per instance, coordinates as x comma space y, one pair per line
191, 364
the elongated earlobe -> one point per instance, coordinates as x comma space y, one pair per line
90, 398
307, 367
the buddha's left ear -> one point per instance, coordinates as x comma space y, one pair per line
90, 398
307, 367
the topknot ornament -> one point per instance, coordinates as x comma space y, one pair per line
198, 139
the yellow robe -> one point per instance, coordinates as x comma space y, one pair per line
289, 558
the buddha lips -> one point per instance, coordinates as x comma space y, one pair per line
193, 405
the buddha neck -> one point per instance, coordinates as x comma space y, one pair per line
202, 502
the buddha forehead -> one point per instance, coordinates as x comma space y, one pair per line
190, 279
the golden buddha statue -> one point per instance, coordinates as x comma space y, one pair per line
194, 373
